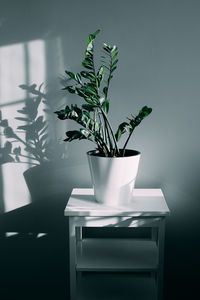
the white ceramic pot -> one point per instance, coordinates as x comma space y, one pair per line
113, 178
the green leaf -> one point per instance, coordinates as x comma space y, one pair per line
105, 90
90, 40
144, 112
87, 114
71, 89
75, 134
121, 129
90, 90
88, 75
90, 101
114, 54
96, 32
78, 78
89, 107
70, 74
87, 64
105, 106
113, 69
106, 49
118, 134
106, 68
114, 48
100, 71
85, 133
115, 62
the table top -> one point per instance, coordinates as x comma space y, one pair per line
145, 202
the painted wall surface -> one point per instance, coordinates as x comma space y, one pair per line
159, 66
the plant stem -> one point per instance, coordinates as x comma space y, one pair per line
111, 130
107, 133
124, 148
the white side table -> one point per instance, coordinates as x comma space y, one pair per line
129, 258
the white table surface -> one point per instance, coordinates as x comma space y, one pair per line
145, 202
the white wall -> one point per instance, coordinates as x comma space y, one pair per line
159, 66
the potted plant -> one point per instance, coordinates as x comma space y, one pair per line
31, 144
113, 169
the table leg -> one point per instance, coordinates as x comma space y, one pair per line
161, 240
72, 258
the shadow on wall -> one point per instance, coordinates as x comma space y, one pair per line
33, 238
35, 144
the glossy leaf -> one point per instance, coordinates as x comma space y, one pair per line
96, 32
87, 64
144, 112
71, 89
114, 53
121, 129
105, 90
88, 75
78, 78
89, 107
113, 69
105, 106
75, 134
70, 74
115, 62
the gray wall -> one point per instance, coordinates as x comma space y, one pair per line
159, 66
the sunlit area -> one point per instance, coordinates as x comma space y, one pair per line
22, 63
12, 73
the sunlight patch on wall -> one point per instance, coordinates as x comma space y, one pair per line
22, 63
12, 73
37, 66
36, 61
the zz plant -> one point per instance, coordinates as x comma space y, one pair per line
92, 86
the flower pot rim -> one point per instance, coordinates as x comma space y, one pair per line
128, 152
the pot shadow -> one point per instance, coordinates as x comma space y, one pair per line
34, 251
